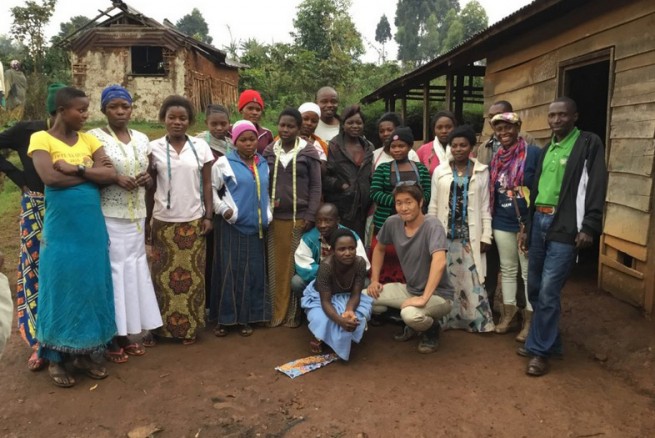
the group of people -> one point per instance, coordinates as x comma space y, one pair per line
13, 88
257, 228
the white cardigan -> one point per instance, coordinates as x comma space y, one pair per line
479, 218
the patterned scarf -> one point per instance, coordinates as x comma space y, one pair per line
510, 163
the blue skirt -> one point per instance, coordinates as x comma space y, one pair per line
76, 297
328, 331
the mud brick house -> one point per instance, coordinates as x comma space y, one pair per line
152, 60
600, 53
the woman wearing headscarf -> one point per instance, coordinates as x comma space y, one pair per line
512, 171
124, 208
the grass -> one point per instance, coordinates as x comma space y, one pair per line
9, 210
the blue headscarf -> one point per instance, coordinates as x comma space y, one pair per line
114, 92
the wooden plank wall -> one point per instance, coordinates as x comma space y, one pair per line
525, 72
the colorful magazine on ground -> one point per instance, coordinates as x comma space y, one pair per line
299, 367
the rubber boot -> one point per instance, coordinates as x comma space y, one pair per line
430, 339
527, 319
506, 318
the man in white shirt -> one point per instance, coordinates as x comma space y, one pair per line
329, 123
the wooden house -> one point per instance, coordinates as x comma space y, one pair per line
150, 59
601, 54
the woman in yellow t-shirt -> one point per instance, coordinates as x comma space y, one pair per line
76, 303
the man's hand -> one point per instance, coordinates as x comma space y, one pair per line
374, 290
413, 302
583, 240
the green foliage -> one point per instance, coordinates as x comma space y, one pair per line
27, 27
383, 30
11, 49
474, 19
68, 27
194, 25
325, 28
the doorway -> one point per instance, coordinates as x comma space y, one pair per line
586, 80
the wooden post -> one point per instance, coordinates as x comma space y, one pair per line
403, 108
426, 111
448, 98
459, 97
386, 105
392, 104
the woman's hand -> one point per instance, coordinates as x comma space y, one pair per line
144, 180
347, 324
65, 168
484, 247
350, 316
206, 226
126, 182
228, 214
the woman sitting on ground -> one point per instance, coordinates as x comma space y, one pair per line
336, 309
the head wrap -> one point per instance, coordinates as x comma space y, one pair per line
310, 107
114, 92
404, 134
50, 105
250, 96
240, 127
512, 118
15, 64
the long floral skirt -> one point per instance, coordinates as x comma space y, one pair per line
178, 274
27, 288
470, 309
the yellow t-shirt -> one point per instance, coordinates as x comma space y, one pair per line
80, 153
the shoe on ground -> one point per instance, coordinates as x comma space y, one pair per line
538, 366
429, 340
407, 334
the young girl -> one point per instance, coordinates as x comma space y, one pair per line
218, 138
181, 208
387, 176
336, 309
386, 125
311, 114
124, 208
217, 135
251, 107
295, 193
76, 301
240, 193
438, 151
460, 200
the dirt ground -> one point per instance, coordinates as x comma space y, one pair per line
474, 386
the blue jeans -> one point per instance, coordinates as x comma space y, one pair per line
549, 265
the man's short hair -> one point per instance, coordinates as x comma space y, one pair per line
412, 190
569, 102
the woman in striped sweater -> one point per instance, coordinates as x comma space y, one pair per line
387, 176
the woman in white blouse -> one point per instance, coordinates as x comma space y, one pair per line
124, 208
181, 208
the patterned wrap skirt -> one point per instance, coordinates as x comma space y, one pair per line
470, 310
239, 288
283, 240
27, 288
178, 273
328, 331
76, 296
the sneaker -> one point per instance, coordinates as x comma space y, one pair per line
429, 340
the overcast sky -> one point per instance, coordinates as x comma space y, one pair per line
267, 21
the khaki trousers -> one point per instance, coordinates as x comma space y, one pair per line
418, 318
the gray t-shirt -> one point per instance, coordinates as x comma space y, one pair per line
415, 253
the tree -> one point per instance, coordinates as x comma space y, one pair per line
27, 27
455, 33
68, 27
474, 19
325, 28
195, 26
383, 33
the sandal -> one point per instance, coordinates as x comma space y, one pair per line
245, 330
316, 346
135, 349
35, 363
220, 331
149, 341
90, 368
189, 341
59, 376
117, 356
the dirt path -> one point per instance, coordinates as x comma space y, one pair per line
474, 386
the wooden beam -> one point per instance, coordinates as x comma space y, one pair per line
426, 111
